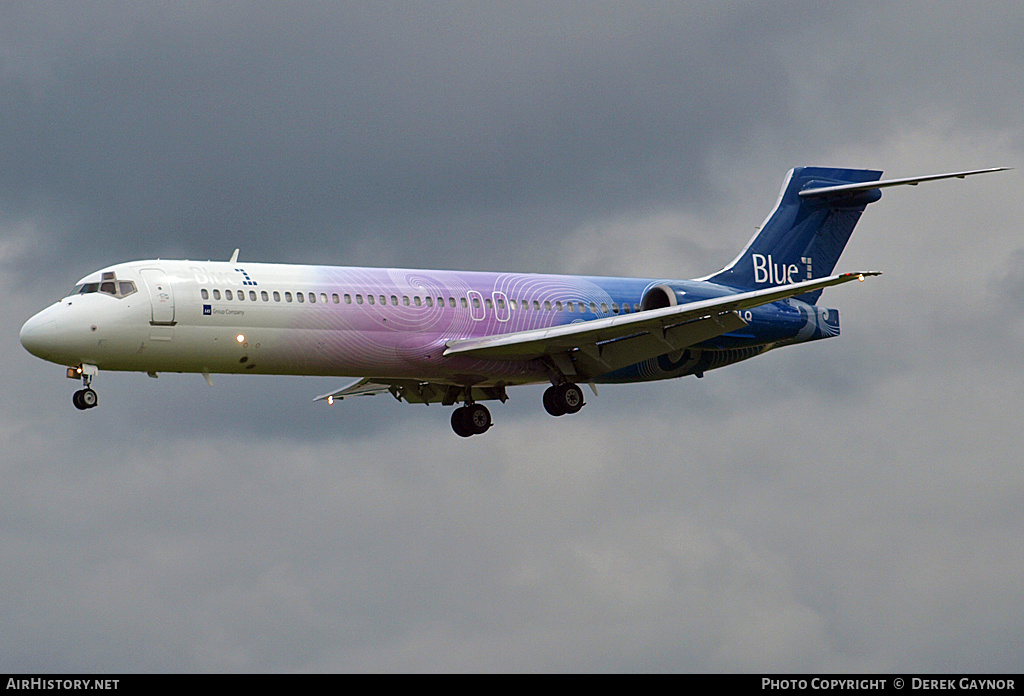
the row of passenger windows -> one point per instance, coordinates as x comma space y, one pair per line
265, 296
417, 301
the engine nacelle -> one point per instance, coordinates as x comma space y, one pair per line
659, 296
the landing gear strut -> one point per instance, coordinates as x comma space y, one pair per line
471, 419
563, 398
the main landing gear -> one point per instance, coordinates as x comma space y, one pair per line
471, 419
475, 419
563, 398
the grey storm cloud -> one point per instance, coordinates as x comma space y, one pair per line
186, 129
851, 505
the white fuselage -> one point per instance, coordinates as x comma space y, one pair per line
218, 317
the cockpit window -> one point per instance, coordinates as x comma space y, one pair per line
116, 288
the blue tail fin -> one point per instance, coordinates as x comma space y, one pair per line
802, 238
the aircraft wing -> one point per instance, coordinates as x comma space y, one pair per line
603, 345
364, 387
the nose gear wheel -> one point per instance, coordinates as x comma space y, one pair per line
84, 399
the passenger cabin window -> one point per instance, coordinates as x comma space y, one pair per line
252, 295
264, 296
228, 295
277, 296
287, 297
205, 293
369, 298
216, 294
312, 298
300, 297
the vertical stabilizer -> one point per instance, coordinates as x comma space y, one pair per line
802, 237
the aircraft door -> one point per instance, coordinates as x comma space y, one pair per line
161, 296
476, 305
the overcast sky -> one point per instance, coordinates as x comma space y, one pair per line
850, 505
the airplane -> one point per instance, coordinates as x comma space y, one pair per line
459, 337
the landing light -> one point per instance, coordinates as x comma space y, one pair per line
240, 338
330, 400
861, 277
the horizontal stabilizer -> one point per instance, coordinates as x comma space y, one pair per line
849, 189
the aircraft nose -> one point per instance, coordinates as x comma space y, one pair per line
38, 335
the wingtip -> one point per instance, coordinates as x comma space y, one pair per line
861, 275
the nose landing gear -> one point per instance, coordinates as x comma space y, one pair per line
84, 398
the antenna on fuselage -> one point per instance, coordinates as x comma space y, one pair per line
234, 257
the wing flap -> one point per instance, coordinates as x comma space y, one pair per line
613, 355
